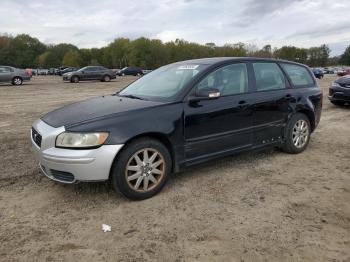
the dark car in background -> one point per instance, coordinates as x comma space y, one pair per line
130, 71
176, 116
15, 76
318, 73
339, 92
90, 73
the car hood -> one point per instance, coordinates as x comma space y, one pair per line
93, 109
345, 80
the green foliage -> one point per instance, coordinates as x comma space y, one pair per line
345, 57
318, 56
72, 58
292, 53
25, 51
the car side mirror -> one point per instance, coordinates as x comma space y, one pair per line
205, 94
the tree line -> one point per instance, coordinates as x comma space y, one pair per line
24, 51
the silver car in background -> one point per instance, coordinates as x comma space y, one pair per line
9, 74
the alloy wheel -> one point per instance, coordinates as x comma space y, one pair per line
145, 170
17, 81
300, 133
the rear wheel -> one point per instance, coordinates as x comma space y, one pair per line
297, 135
142, 169
17, 81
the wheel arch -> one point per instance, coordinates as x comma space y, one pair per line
310, 115
17, 76
154, 135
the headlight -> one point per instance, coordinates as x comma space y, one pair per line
80, 140
335, 84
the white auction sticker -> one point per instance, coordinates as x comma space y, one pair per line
191, 67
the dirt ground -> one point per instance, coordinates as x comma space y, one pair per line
267, 206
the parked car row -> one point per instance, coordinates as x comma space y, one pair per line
340, 71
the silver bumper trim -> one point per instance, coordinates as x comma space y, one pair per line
85, 165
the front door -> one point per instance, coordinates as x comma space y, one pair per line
5, 74
220, 125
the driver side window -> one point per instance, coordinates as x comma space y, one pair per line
229, 80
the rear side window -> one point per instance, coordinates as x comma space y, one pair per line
299, 75
229, 80
268, 76
4, 70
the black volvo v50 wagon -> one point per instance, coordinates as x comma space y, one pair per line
176, 116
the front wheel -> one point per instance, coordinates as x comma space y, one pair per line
297, 134
17, 81
106, 78
75, 79
142, 169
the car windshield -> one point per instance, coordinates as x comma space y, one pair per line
164, 83
82, 69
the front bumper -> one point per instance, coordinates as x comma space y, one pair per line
339, 94
66, 78
70, 165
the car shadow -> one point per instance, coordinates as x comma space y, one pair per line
9, 84
104, 190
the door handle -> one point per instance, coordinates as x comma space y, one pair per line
242, 104
289, 97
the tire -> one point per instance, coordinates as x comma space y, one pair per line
17, 81
106, 78
129, 174
297, 127
123, 74
74, 79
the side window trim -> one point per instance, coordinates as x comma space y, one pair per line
246, 63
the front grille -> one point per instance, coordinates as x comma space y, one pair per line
341, 96
62, 176
36, 137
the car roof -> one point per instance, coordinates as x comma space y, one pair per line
218, 60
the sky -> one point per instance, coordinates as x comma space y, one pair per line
91, 23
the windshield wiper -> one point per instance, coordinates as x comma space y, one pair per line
132, 96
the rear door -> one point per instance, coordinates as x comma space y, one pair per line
5, 74
273, 99
90, 73
224, 124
